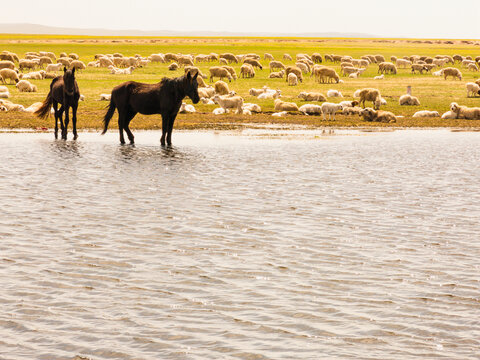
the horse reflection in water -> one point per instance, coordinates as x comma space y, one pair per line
163, 98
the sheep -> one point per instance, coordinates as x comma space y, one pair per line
229, 57
247, 71
185, 60
77, 65
270, 94
219, 111
231, 71
253, 56
207, 101
334, 93
169, 57
349, 103
9, 106
379, 77
252, 107
220, 72
36, 75
256, 92
317, 58
186, 108
292, 79
229, 102
324, 74
348, 70
438, 73
26, 86
403, 63
54, 67
426, 113
105, 97
370, 114
370, 94
472, 67
268, 56
8, 74
253, 62
194, 70
429, 67
157, 58
280, 114
45, 60
34, 107
287, 57
408, 100
379, 58
330, 109
64, 61
277, 75
173, 66
73, 56
27, 64
313, 96
4, 94
472, 88
206, 92
464, 112
285, 106
449, 115
351, 110
310, 109
6, 64
387, 67
418, 67
303, 67
453, 72
276, 65
221, 88
118, 71
9, 56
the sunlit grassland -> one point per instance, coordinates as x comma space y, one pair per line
434, 93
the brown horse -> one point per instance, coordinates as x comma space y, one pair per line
163, 98
64, 91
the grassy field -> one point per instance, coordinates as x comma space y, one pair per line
434, 92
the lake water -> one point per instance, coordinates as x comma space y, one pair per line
246, 245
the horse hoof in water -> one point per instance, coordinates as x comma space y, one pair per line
75, 137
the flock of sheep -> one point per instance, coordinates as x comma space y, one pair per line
12, 71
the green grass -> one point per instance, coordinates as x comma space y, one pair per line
434, 93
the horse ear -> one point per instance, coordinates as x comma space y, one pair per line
64, 69
189, 76
195, 76
73, 71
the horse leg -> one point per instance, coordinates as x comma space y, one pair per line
121, 122
65, 129
55, 108
129, 118
74, 121
164, 128
60, 117
170, 129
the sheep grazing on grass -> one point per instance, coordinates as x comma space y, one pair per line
229, 102
276, 65
194, 70
370, 114
185, 60
312, 96
277, 75
408, 100
206, 92
10, 75
229, 57
221, 88
387, 67
254, 108
232, 72
54, 67
268, 56
330, 109
287, 57
253, 62
27, 64
334, 93
157, 58
348, 70
449, 115
453, 72
45, 60
351, 110
285, 106
247, 71
270, 94
370, 94
26, 86
6, 64
310, 109
220, 72
36, 75
64, 61
292, 79
295, 70
77, 65
325, 75
472, 88
472, 67
317, 58
73, 56
173, 66
403, 63
426, 113
464, 112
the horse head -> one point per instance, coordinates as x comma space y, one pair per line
191, 87
69, 80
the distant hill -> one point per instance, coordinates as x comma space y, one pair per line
52, 30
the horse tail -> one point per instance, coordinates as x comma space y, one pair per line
44, 110
108, 115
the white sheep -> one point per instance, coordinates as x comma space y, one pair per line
472, 88
334, 93
219, 111
449, 115
254, 108
408, 100
330, 109
280, 114
349, 103
229, 102
207, 101
186, 108
11, 106
292, 79
26, 86
35, 75
105, 97
54, 67
379, 77
310, 109
270, 94
426, 113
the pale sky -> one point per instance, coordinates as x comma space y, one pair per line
403, 18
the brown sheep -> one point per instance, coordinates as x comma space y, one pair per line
276, 65
27, 64
221, 88
247, 71
295, 70
253, 62
453, 72
370, 114
220, 72
317, 58
229, 57
9, 74
231, 70
370, 94
325, 74
285, 106
313, 96
7, 64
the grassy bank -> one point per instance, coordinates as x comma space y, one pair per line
434, 93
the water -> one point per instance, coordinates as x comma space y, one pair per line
261, 245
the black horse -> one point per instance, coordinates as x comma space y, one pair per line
163, 98
64, 91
